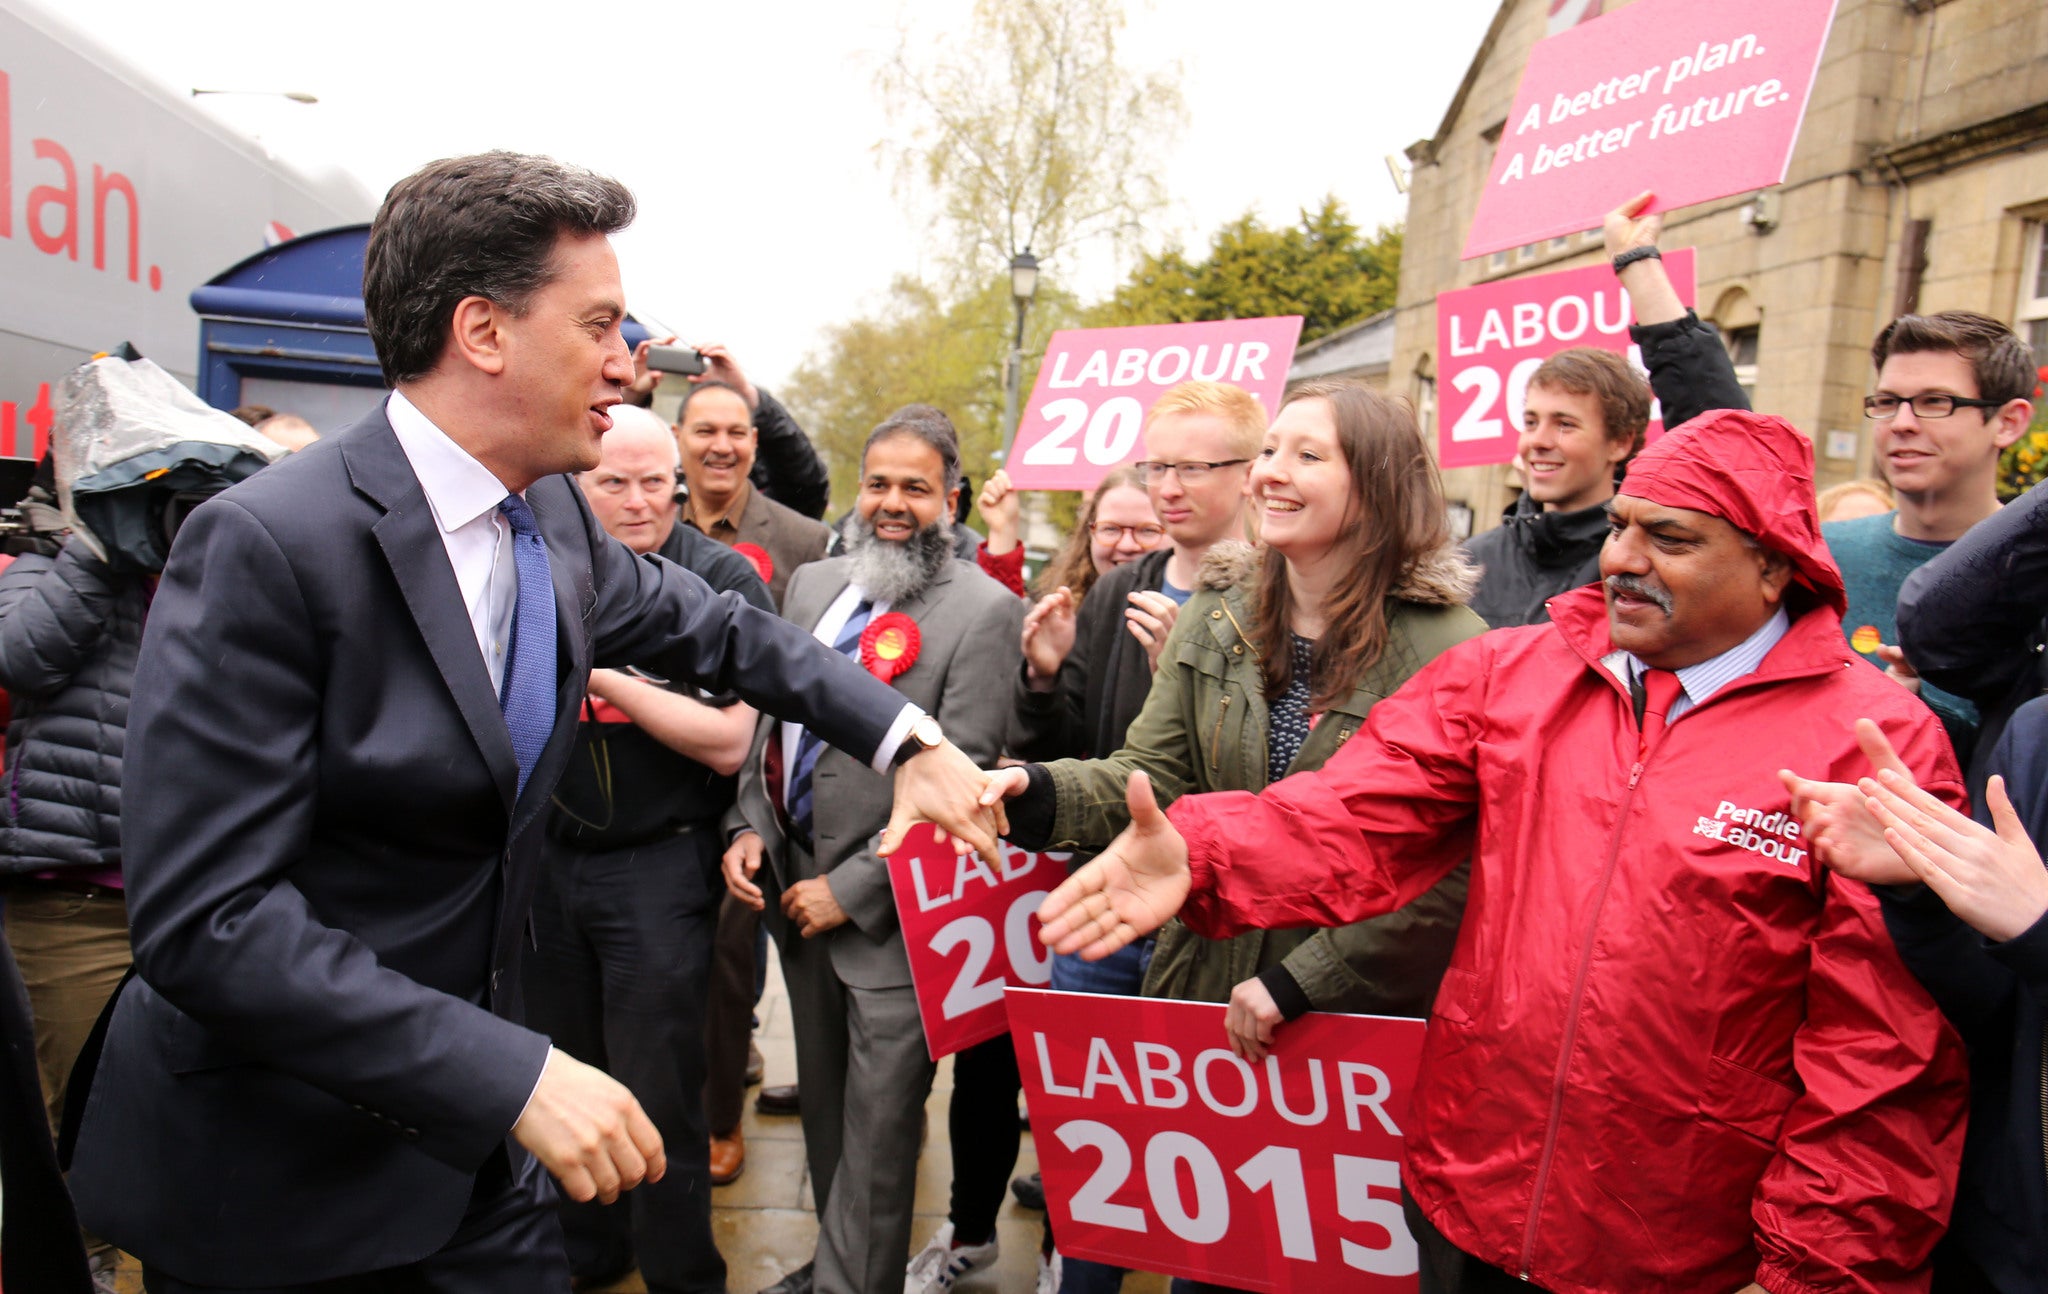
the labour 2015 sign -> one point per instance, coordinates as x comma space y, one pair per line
1163, 1151
1691, 99
970, 929
1490, 338
1096, 385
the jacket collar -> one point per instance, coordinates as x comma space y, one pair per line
1555, 538
1813, 645
412, 546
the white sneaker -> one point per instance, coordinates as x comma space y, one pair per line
1049, 1274
940, 1263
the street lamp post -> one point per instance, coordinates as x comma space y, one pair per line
1023, 286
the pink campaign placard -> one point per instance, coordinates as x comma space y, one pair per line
1490, 338
1691, 99
1163, 1151
1096, 385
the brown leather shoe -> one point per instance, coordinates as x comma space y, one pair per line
728, 1158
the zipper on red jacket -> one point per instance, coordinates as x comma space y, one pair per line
1571, 1021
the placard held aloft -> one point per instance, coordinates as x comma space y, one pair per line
1695, 99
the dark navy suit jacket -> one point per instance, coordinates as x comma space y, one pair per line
328, 875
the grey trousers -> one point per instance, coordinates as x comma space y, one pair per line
861, 1060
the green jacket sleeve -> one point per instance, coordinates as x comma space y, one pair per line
1355, 967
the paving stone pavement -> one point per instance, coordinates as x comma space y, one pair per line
763, 1221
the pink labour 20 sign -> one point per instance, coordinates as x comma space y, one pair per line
1096, 385
1692, 99
1490, 338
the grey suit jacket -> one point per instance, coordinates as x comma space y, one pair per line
969, 627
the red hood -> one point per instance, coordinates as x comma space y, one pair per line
1754, 472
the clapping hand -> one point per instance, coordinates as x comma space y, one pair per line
1837, 823
1048, 637
1129, 889
1990, 878
1150, 618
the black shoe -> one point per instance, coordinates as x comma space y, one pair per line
799, 1281
756, 1066
1029, 1190
778, 1100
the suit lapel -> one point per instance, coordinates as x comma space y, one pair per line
418, 559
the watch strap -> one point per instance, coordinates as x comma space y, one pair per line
1634, 254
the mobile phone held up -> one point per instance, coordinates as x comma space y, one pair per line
676, 359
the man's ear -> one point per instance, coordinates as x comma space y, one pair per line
953, 504
476, 334
1777, 574
2008, 424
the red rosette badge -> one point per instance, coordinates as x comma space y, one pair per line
888, 646
764, 565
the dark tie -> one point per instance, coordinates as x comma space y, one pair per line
528, 694
808, 745
1654, 691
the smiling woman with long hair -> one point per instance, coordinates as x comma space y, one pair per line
1273, 664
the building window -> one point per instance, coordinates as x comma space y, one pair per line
1560, 242
1499, 260
2031, 320
1425, 405
1529, 251
1742, 348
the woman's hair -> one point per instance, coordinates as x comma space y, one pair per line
1834, 494
1075, 565
1395, 519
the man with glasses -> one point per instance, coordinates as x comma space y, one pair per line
629, 889
1200, 438
1951, 394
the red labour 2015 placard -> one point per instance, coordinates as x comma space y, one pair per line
1096, 385
1162, 1151
1691, 99
1490, 338
970, 930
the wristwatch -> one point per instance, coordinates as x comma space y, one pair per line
1648, 252
924, 735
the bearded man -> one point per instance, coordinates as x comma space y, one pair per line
939, 631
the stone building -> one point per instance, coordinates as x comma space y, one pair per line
1920, 181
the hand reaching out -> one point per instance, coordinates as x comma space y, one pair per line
1129, 889
943, 787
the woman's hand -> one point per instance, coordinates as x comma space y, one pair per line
1252, 1019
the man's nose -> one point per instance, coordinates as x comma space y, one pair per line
618, 361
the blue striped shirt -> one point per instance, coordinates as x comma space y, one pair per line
1711, 675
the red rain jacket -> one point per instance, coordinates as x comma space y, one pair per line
1671, 1052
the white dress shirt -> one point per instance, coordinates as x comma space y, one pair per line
827, 632
464, 496
1698, 682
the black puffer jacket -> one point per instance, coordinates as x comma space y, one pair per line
1974, 620
70, 629
1535, 555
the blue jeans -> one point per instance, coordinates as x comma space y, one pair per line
1120, 974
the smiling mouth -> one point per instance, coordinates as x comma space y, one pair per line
1282, 505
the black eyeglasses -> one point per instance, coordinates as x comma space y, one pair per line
1935, 405
1152, 470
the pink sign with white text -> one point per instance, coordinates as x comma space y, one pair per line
1490, 338
1691, 99
1096, 385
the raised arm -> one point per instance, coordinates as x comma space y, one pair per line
1690, 371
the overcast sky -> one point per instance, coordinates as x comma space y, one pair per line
749, 132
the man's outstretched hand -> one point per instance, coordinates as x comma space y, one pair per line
943, 787
586, 1129
1130, 889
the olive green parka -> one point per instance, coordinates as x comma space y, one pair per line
1204, 728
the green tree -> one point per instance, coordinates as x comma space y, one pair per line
1029, 133
1321, 268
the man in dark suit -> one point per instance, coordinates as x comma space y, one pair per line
813, 815
359, 683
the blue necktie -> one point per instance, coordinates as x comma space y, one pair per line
808, 744
527, 696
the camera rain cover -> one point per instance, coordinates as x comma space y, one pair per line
129, 437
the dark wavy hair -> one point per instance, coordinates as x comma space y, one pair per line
482, 226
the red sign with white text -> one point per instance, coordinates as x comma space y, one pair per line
1691, 99
970, 930
1163, 1151
1490, 338
1096, 385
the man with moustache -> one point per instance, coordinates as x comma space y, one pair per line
1705, 1066
938, 629
715, 431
